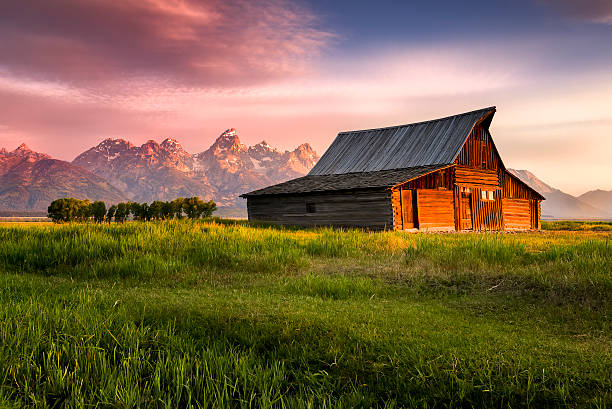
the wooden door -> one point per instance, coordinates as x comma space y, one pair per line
466, 210
408, 209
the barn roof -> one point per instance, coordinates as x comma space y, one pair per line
434, 142
347, 181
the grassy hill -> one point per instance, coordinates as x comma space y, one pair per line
227, 314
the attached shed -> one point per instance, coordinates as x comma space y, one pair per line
443, 174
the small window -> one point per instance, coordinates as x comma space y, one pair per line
488, 195
311, 208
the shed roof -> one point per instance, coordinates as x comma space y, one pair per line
347, 181
434, 142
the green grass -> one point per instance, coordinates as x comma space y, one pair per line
575, 225
227, 314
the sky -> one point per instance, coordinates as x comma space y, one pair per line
74, 72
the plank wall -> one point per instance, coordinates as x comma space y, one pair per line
517, 214
442, 178
435, 209
515, 192
438, 181
487, 179
365, 209
478, 151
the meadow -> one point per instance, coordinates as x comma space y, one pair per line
179, 314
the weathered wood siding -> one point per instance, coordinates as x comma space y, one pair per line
435, 209
442, 178
487, 179
366, 209
521, 206
517, 214
478, 151
486, 214
514, 189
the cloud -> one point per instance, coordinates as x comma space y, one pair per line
100, 43
597, 11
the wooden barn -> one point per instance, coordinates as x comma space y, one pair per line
443, 174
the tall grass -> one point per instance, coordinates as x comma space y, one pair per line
222, 314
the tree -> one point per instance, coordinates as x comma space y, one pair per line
156, 210
167, 210
111, 213
122, 212
140, 211
177, 207
190, 207
206, 209
98, 210
194, 207
68, 209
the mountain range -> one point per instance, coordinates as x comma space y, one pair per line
595, 204
116, 170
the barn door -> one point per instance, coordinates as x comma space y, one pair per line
408, 209
466, 210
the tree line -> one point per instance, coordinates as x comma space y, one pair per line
69, 209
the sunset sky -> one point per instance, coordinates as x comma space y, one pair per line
73, 72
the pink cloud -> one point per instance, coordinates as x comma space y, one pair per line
182, 42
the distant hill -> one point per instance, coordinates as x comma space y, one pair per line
29, 181
601, 199
559, 204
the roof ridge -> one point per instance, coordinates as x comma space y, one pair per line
491, 108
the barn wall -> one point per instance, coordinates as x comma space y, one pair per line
478, 151
517, 214
442, 178
487, 179
366, 209
397, 209
486, 214
435, 209
513, 188
528, 214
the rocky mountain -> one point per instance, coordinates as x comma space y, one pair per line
148, 172
30, 181
601, 199
559, 204
222, 172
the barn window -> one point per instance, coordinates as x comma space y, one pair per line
311, 208
487, 195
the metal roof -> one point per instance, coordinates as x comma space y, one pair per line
435, 142
347, 181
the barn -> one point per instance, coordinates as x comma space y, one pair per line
438, 175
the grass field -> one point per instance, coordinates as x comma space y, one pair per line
226, 314
576, 225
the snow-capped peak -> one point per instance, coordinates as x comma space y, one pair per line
228, 141
172, 145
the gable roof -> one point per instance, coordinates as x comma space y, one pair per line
434, 142
347, 181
